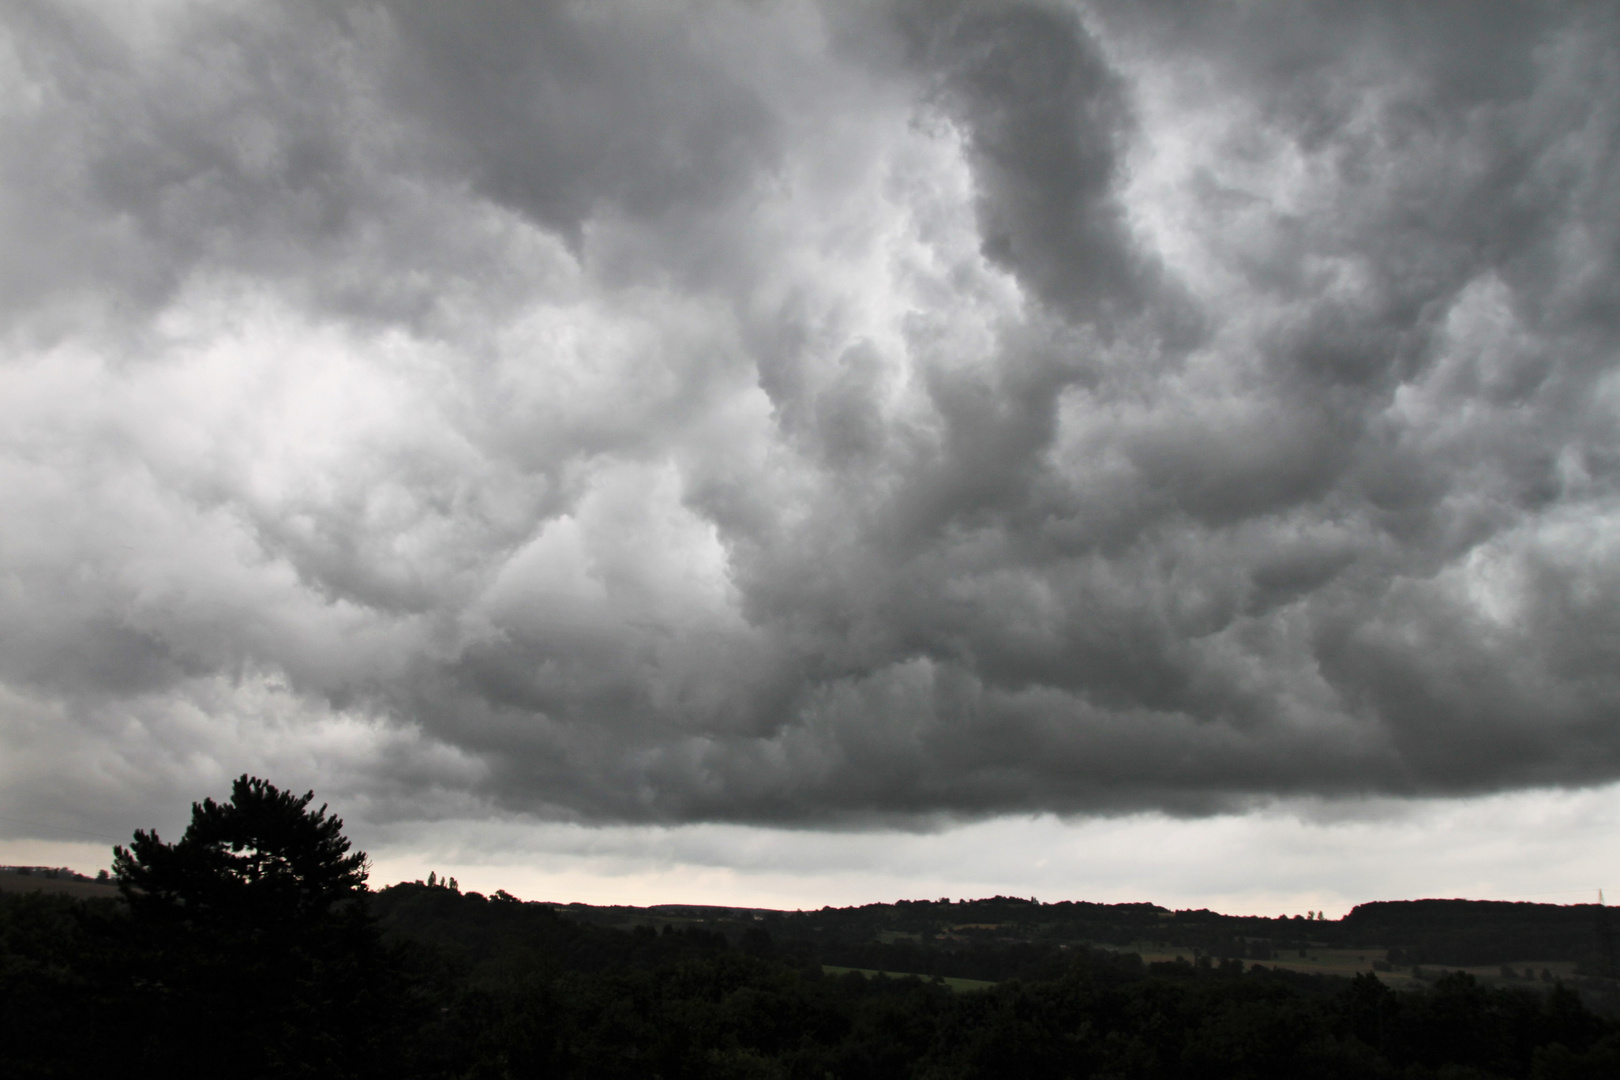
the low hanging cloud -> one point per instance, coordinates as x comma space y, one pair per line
808, 413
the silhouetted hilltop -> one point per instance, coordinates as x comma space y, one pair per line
1407, 943
983, 988
430, 981
1467, 932
53, 879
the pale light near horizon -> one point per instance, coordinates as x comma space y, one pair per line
1281, 861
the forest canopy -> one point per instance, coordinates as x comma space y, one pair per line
252, 947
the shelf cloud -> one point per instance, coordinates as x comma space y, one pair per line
808, 414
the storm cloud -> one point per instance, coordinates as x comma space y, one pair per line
818, 414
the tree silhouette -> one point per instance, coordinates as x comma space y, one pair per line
262, 859
259, 958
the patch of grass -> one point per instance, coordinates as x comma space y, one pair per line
14, 882
949, 980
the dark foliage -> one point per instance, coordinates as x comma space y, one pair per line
245, 949
250, 948
259, 862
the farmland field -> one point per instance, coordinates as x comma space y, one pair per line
953, 983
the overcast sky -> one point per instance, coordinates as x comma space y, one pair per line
757, 450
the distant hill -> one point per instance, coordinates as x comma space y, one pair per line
1003, 937
1409, 945
1463, 932
52, 879
442, 984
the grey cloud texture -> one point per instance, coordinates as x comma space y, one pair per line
814, 414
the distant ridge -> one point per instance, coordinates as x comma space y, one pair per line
53, 879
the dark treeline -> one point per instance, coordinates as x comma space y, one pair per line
1464, 932
435, 983
251, 948
1459, 933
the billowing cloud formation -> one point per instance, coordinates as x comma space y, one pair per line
808, 413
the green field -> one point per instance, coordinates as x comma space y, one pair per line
950, 981
1347, 962
11, 882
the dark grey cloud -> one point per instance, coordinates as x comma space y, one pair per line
809, 413
1045, 120
557, 112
